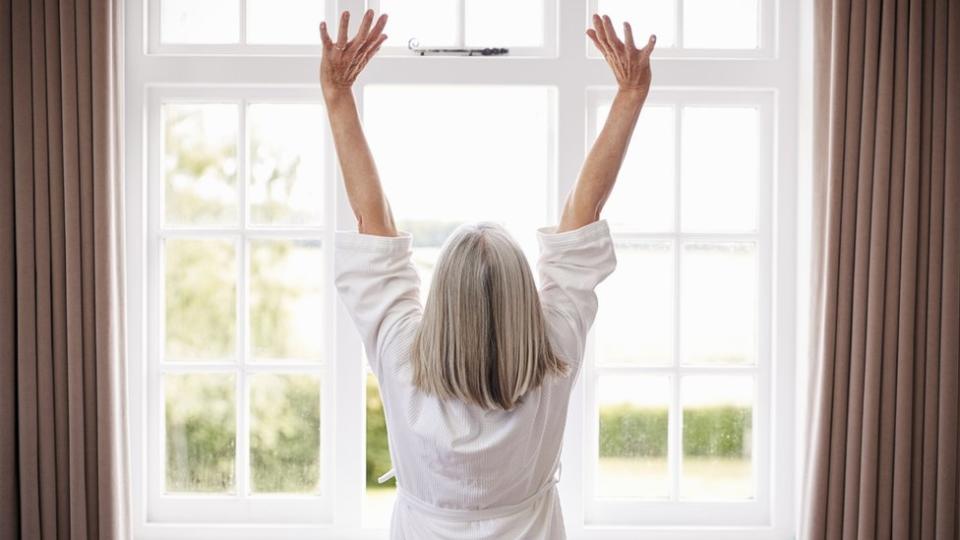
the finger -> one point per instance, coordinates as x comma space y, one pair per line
592, 34
611, 34
378, 28
364, 58
628, 36
364, 26
598, 29
651, 43
375, 35
342, 32
372, 50
324, 36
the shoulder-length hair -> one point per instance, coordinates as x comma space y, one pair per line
482, 338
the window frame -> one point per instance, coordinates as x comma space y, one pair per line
167, 507
288, 72
674, 512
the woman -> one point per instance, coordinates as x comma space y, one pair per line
475, 384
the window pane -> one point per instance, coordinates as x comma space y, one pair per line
717, 437
642, 198
431, 22
504, 23
286, 299
633, 436
200, 432
285, 432
284, 21
645, 16
286, 164
379, 498
719, 303
201, 297
449, 154
203, 21
635, 319
200, 164
720, 24
720, 167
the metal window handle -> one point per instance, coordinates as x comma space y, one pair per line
414, 46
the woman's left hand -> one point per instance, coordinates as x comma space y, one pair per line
344, 59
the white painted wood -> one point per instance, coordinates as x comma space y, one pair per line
766, 77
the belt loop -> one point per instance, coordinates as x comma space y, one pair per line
392, 473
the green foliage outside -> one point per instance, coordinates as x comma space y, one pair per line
201, 432
285, 433
200, 324
378, 452
201, 299
717, 431
627, 431
190, 152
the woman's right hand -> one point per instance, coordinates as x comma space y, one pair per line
630, 65
345, 58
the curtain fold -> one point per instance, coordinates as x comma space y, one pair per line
883, 450
63, 458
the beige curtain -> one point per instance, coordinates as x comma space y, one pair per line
62, 444
884, 439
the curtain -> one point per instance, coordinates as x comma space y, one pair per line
883, 446
62, 441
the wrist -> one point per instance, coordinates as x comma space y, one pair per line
333, 93
633, 94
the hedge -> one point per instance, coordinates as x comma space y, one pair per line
625, 431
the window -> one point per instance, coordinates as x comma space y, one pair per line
253, 411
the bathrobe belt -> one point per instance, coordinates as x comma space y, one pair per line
459, 514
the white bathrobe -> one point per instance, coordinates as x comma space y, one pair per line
464, 472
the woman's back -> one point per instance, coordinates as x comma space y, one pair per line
464, 470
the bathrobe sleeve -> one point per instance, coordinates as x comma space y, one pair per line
571, 265
379, 286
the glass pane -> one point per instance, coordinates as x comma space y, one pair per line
286, 164
642, 198
504, 23
634, 419
379, 498
645, 16
284, 21
719, 169
200, 164
717, 437
719, 303
635, 319
431, 22
720, 24
286, 299
285, 433
201, 298
200, 432
204, 21
450, 154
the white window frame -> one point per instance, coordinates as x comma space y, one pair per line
155, 72
626, 511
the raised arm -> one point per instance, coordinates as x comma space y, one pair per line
631, 66
342, 61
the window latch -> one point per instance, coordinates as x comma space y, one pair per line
414, 46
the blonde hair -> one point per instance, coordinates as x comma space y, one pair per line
482, 338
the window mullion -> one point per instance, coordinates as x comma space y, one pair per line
243, 21
461, 23
243, 439
674, 463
